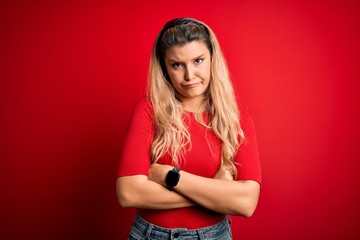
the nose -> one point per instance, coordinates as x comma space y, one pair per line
189, 74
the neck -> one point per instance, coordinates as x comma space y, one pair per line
192, 105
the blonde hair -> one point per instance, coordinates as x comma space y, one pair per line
171, 135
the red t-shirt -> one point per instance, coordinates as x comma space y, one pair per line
202, 159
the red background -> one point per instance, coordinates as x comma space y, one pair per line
71, 71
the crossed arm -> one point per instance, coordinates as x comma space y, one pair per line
221, 193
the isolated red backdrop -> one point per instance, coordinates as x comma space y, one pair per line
71, 71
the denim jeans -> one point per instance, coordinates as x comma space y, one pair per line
143, 230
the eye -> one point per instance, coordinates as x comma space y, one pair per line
199, 60
176, 65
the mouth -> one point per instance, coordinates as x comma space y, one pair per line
192, 85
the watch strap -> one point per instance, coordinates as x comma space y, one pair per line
172, 178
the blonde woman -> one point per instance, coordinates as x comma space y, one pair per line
190, 158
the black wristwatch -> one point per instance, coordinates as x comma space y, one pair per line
172, 178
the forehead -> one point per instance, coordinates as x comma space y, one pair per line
187, 51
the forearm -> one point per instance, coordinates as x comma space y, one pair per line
139, 192
224, 196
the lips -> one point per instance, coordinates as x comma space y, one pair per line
192, 85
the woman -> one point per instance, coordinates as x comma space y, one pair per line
190, 158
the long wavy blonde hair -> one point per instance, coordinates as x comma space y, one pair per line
171, 135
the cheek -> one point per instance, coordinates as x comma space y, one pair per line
205, 73
175, 82
175, 79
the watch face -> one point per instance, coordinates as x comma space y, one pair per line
172, 178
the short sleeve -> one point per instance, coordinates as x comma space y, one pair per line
135, 155
247, 158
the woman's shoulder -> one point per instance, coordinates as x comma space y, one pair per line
143, 103
247, 123
142, 107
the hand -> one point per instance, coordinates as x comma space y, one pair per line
157, 173
224, 173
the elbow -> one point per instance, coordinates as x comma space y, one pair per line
244, 210
248, 212
124, 201
125, 196
249, 206
246, 206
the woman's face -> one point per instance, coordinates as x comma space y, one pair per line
188, 67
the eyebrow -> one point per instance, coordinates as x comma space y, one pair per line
202, 55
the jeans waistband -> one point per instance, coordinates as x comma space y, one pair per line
145, 230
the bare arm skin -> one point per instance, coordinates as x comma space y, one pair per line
224, 196
140, 192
